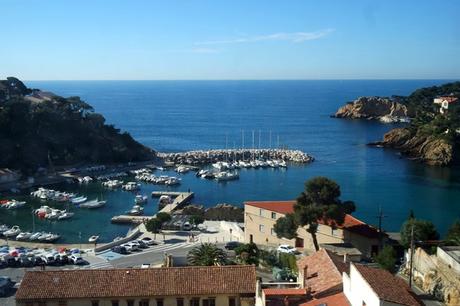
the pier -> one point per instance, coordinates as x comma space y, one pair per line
180, 199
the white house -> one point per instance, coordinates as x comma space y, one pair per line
444, 102
367, 286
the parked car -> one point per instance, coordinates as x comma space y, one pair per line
27, 261
148, 241
127, 247
132, 245
120, 249
3, 264
76, 259
5, 285
284, 248
49, 259
145, 266
232, 245
142, 244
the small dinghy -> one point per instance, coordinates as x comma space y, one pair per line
93, 239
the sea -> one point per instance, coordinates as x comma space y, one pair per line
176, 116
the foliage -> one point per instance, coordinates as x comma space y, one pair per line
207, 254
319, 202
57, 131
154, 225
288, 261
269, 258
423, 231
286, 227
248, 254
387, 258
196, 219
163, 217
453, 234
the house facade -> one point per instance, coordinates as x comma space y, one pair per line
369, 286
444, 103
180, 286
260, 218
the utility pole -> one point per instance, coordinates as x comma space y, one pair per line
380, 217
411, 254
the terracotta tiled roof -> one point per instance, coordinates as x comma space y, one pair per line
350, 223
324, 272
338, 299
68, 284
282, 207
284, 291
387, 286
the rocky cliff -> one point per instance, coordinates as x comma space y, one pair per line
425, 148
375, 108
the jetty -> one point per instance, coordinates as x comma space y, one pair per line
203, 157
180, 199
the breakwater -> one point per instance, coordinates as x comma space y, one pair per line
202, 157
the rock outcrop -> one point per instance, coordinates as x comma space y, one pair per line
429, 149
375, 108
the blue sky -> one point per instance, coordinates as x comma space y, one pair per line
135, 40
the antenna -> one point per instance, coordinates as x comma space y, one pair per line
380, 216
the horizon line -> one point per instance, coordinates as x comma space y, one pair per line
219, 80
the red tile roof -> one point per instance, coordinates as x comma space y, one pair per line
350, 223
68, 284
387, 286
324, 272
449, 99
284, 291
338, 299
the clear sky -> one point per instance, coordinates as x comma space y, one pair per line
247, 39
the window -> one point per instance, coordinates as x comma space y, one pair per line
273, 215
159, 302
232, 301
261, 228
130, 302
261, 212
209, 302
144, 303
195, 302
272, 231
115, 303
94, 303
180, 302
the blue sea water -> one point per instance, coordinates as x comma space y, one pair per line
185, 115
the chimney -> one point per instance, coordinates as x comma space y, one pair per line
303, 276
345, 258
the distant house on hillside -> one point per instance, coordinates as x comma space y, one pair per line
444, 102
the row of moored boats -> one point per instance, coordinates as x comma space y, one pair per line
15, 232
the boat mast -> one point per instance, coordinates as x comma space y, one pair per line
242, 141
253, 146
33, 221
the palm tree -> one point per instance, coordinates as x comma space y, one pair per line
207, 254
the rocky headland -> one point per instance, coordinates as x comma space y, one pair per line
40, 129
375, 108
430, 136
429, 149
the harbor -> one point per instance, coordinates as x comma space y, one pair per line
179, 200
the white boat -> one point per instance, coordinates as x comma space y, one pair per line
3, 228
13, 204
140, 199
182, 169
131, 186
136, 211
65, 215
35, 236
227, 176
79, 200
173, 181
24, 236
93, 204
221, 165
12, 232
93, 239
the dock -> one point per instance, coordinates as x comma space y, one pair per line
180, 199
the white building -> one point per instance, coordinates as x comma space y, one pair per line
367, 286
444, 103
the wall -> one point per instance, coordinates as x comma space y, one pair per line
448, 259
362, 243
221, 300
134, 234
357, 290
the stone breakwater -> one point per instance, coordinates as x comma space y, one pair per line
202, 157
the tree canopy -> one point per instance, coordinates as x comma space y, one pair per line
207, 254
423, 231
319, 202
453, 234
248, 254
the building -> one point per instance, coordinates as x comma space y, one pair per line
444, 102
450, 256
8, 176
367, 286
260, 217
181, 286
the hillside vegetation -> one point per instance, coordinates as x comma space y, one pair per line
39, 129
